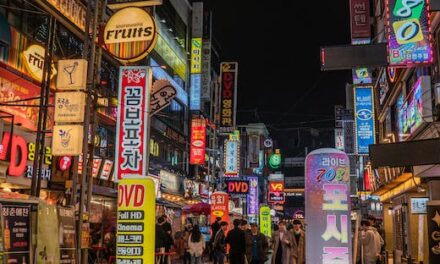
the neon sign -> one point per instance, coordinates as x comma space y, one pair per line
327, 199
409, 40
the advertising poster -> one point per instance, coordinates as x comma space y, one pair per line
219, 206
136, 221
132, 121
66, 234
409, 40
252, 198
16, 233
327, 200
232, 158
265, 221
198, 142
48, 246
433, 218
364, 118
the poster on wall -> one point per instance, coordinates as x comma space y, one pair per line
16, 233
409, 39
132, 121
327, 201
66, 236
48, 246
364, 118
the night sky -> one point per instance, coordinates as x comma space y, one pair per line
284, 83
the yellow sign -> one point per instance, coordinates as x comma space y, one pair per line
33, 59
116, 4
73, 10
67, 140
171, 57
69, 107
72, 75
136, 221
196, 55
130, 34
265, 221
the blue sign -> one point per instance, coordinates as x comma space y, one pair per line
364, 112
195, 91
160, 73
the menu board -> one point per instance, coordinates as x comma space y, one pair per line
16, 233
66, 227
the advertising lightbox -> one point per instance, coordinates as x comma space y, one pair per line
364, 118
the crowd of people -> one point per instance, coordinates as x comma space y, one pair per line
245, 244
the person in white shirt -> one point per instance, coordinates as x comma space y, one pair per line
196, 245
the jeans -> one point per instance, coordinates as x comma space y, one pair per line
196, 260
219, 257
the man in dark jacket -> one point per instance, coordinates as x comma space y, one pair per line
237, 244
215, 227
259, 246
248, 238
219, 244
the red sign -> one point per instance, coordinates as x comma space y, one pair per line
19, 154
132, 195
360, 19
106, 169
198, 142
132, 123
64, 163
228, 75
219, 206
96, 166
238, 187
276, 192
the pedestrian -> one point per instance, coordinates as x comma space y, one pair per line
164, 240
282, 245
377, 237
368, 240
215, 227
187, 233
219, 244
259, 246
248, 238
299, 242
237, 244
180, 244
196, 245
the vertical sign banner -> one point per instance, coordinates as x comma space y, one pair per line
408, 26
196, 55
364, 118
433, 218
228, 98
16, 233
132, 122
252, 197
339, 139
232, 158
219, 206
327, 199
360, 20
136, 221
48, 248
265, 221
198, 142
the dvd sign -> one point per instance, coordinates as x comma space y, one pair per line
238, 187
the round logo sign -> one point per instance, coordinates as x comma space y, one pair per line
268, 143
364, 114
275, 161
130, 34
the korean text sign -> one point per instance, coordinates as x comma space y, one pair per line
229, 71
364, 118
219, 206
360, 19
232, 158
136, 221
265, 221
252, 198
327, 199
409, 40
198, 141
132, 122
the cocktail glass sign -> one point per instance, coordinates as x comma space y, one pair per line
409, 40
327, 199
72, 74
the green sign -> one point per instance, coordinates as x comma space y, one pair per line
265, 221
275, 161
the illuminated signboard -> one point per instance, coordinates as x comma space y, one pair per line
232, 158
67, 140
33, 58
69, 107
131, 39
196, 55
360, 21
198, 142
409, 40
132, 121
116, 4
327, 200
237, 187
72, 74
171, 56
252, 198
265, 221
276, 192
416, 109
228, 101
195, 91
362, 76
339, 139
135, 226
219, 206
364, 120
73, 10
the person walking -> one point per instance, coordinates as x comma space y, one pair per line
219, 244
282, 241
237, 244
248, 238
368, 240
215, 227
196, 245
258, 246
299, 242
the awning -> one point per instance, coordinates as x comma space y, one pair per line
165, 203
197, 209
